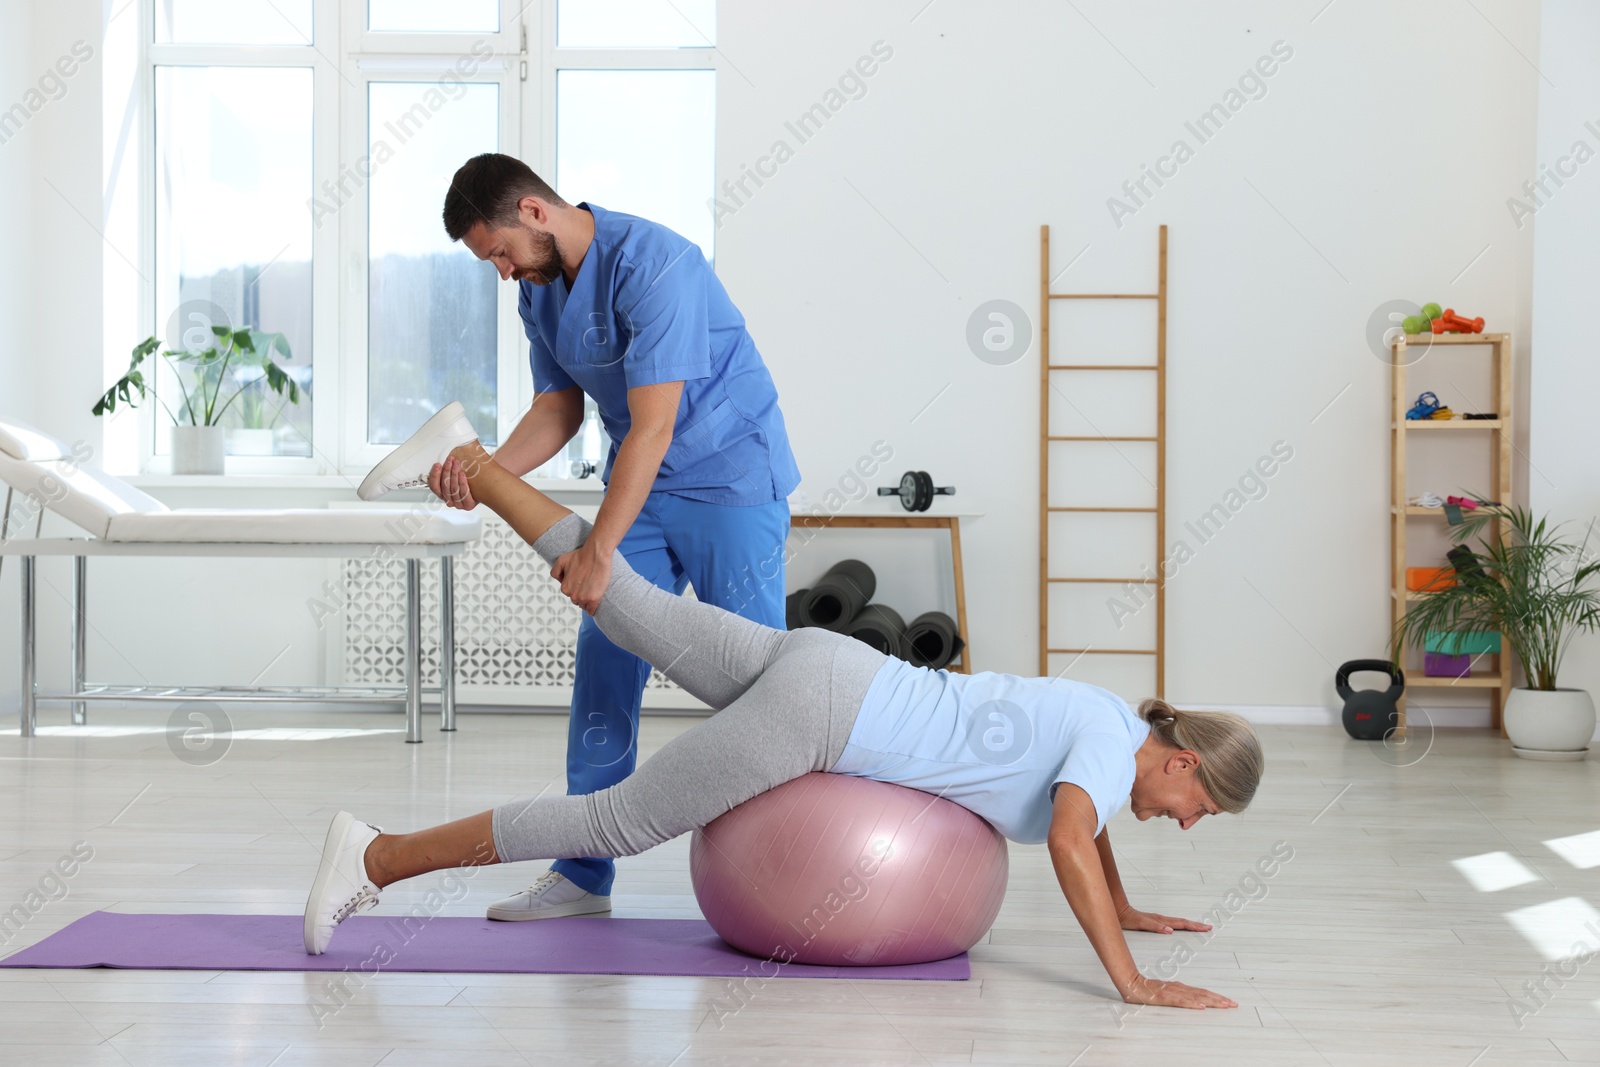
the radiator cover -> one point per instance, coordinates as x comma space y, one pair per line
516, 635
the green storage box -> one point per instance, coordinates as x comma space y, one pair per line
1468, 643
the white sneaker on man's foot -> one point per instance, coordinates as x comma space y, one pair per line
409, 465
341, 887
551, 897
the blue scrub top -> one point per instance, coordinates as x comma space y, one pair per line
646, 308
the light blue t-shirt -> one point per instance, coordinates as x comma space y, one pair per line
647, 308
995, 743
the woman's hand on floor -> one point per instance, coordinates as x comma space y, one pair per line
1133, 919
1174, 995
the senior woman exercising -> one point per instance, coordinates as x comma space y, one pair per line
788, 703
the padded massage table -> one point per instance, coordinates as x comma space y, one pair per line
122, 521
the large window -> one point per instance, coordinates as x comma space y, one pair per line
233, 153
431, 305
636, 24
431, 16
233, 249
640, 141
299, 157
247, 22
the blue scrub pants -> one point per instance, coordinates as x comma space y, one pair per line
734, 558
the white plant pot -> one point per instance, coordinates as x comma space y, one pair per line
253, 442
1550, 724
199, 449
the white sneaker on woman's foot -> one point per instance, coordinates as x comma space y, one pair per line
551, 897
342, 887
409, 465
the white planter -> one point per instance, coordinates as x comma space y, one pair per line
1554, 724
198, 449
253, 442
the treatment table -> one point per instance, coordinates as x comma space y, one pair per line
42, 472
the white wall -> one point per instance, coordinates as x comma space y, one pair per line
1566, 370
16, 282
68, 247
16, 200
1382, 166
1374, 168
51, 273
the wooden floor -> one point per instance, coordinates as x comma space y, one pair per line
1369, 946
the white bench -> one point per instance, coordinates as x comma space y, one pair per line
120, 520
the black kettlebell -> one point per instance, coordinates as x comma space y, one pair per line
1369, 714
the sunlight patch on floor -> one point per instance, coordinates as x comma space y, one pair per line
1494, 871
1559, 929
1580, 850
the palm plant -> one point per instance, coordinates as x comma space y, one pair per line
1529, 583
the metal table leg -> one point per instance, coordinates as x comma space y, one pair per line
80, 632
447, 644
413, 654
30, 692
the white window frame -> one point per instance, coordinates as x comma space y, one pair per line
324, 147
345, 57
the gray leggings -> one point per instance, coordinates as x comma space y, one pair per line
785, 704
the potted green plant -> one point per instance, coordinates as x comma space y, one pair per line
254, 434
1534, 587
239, 362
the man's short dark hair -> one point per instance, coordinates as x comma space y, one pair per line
487, 189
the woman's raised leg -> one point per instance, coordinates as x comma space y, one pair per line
713, 654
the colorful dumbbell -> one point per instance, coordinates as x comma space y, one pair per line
1462, 323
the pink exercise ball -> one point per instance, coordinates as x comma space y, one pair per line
838, 870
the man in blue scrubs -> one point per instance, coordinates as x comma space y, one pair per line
629, 313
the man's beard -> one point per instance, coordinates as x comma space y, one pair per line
546, 252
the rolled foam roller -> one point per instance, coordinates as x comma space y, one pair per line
791, 609
838, 596
882, 627
932, 640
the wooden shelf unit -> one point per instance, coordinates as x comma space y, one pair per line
1496, 680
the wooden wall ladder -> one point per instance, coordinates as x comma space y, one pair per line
1047, 577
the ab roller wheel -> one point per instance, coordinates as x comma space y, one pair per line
916, 490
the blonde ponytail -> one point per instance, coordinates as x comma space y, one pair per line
1230, 754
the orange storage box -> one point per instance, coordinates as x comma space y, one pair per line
1429, 579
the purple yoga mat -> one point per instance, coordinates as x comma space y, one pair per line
578, 945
